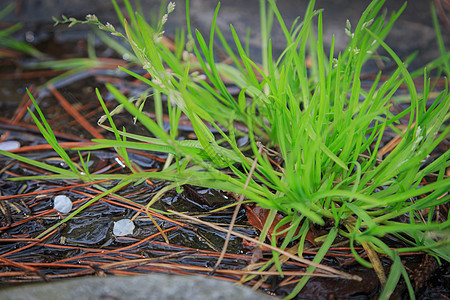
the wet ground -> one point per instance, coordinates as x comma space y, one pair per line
86, 244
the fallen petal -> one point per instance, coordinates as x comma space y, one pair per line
62, 204
123, 227
9, 145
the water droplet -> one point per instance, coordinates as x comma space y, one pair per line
29, 36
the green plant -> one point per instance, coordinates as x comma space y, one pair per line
319, 123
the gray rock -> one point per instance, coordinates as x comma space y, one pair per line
154, 286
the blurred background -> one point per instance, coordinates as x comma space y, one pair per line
413, 30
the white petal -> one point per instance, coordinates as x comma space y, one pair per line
62, 204
123, 227
9, 145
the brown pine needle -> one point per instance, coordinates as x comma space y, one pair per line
75, 114
392, 143
327, 270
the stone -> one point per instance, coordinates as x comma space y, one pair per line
153, 286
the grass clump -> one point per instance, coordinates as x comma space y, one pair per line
314, 133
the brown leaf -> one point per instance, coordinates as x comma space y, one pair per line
257, 217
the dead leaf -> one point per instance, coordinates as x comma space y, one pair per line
257, 217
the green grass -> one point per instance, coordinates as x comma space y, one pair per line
319, 122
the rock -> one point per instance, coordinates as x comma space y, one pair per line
154, 286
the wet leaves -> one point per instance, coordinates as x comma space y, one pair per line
257, 217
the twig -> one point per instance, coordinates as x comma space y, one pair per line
236, 211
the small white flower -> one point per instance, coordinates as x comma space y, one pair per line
110, 26
348, 25
164, 19
170, 7
335, 62
146, 65
348, 33
91, 17
156, 81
